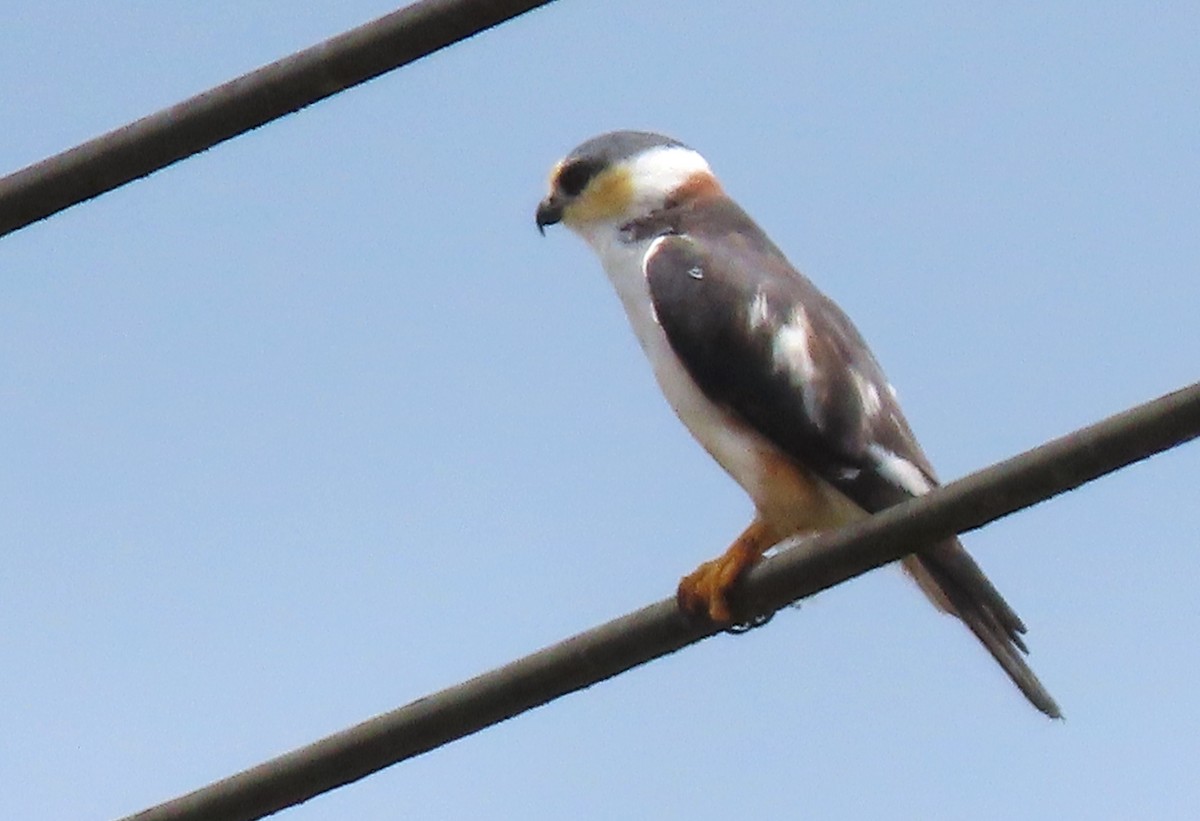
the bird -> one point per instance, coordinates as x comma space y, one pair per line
768, 374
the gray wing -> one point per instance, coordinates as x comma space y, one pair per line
761, 341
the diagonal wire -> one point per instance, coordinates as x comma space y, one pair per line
265, 94
605, 651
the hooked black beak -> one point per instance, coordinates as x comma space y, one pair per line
549, 212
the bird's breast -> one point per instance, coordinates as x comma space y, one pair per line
784, 492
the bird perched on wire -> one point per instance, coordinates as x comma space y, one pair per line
765, 371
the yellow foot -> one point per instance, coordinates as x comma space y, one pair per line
705, 591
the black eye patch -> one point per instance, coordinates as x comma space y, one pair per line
575, 176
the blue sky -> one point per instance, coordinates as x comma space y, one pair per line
315, 423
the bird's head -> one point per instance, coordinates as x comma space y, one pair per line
620, 176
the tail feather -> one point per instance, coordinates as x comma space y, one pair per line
956, 584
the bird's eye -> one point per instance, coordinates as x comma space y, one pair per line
574, 177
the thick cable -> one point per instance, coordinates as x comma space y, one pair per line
245, 103
605, 651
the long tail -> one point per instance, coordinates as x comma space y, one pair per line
955, 583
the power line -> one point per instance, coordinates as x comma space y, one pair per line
605, 651
368, 51
265, 94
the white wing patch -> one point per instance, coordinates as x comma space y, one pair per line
790, 348
792, 354
759, 311
899, 471
868, 394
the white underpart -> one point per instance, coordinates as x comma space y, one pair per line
738, 451
899, 471
792, 354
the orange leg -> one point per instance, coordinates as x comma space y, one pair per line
705, 591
